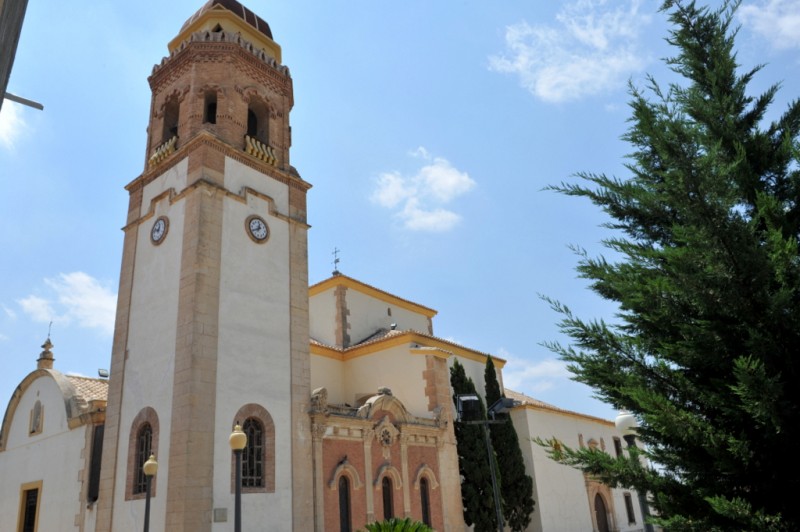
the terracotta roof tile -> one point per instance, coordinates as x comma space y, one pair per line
530, 401
88, 388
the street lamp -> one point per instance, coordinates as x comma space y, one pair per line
150, 468
626, 423
468, 411
238, 441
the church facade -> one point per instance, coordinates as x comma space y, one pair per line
342, 388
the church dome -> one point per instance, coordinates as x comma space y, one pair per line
235, 7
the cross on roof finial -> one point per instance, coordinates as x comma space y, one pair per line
336, 260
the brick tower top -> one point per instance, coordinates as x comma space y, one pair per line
222, 81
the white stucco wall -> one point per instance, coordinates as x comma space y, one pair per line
149, 367
562, 502
253, 364
395, 368
322, 318
368, 314
328, 373
55, 457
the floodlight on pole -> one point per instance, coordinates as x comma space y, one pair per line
469, 412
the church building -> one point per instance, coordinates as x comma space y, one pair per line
342, 389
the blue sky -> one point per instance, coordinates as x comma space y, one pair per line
428, 129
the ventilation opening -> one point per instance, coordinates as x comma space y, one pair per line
210, 106
217, 28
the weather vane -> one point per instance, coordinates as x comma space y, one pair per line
336, 260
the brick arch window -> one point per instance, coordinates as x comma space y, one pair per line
424, 482
345, 517
210, 107
171, 118
425, 500
258, 457
142, 442
388, 504
258, 121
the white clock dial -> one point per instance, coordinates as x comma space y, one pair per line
159, 230
258, 229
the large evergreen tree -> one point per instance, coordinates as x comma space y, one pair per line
473, 465
516, 486
706, 273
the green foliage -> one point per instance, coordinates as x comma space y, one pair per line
516, 487
707, 278
398, 525
476, 478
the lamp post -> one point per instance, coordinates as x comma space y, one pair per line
468, 411
150, 468
238, 441
626, 423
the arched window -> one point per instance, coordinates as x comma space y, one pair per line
253, 455
144, 446
257, 121
344, 505
388, 507
425, 500
142, 442
258, 457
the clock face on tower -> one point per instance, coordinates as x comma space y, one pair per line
159, 230
257, 229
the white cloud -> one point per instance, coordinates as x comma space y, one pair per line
3, 337
10, 312
532, 377
11, 124
419, 198
778, 21
594, 47
76, 297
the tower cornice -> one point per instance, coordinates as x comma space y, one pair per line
212, 47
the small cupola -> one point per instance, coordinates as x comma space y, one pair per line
45, 360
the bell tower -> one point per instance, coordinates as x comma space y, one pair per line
212, 314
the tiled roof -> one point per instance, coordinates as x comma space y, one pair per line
526, 400
88, 388
385, 334
238, 9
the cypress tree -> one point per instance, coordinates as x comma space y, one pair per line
704, 350
516, 486
473, 465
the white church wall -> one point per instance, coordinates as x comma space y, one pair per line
254, 296
322, 318
53, 457
328, 373
394, 368
560, 492
149, 366
368, 314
